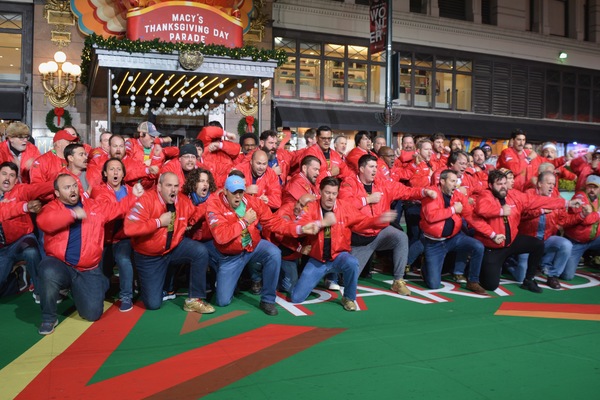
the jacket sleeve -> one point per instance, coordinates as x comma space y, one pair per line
139, 221
274, 222
54, 218
38, 190
223, 231
12, 210
487, 206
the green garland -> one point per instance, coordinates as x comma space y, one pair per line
242, 126
66, 117
139, 46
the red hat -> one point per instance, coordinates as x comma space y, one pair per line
63, 134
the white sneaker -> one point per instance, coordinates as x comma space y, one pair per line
332, 285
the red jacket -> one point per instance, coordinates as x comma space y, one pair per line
293, 244
296, 187
353, 192
334, 159
434, 214
20, 226
55, 220
12, 210
221, 161
104, 193
227, 228
439, 160
582, 168
200, 230
23, 161
519, 164
420, 175
142, 224
46, 167
347, 218
268, 184
530, 220
135, 171
488, 208
588, 229
284, 160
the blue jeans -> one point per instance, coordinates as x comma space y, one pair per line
152, 271
576, 253
315, 270
436, 250
557, 251
230, 267
87, 288
289, 275
122, 253
26, 249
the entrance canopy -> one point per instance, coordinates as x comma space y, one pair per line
132, 80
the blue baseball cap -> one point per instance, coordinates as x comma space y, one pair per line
235, 183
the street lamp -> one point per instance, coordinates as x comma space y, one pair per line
59, 80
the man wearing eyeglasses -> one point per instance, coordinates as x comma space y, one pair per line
18, 149
331, 161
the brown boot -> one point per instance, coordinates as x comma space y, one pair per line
475, 287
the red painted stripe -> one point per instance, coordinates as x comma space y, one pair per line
67, 376
552, 307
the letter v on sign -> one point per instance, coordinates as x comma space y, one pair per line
206, 370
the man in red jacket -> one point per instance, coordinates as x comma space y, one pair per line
501, 209
372, 196
46, 167
330, 247
18, 149
117, 246
17, 241
233, 218
261, 181
73, 240
544, 224
441, 222
304, 181
156, 226
331, 161
585, 235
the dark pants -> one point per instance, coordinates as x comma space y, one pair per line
152, 271
493, 259
412, 216
87, 288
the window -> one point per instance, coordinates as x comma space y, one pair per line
418, 6
455, 9
329, 72
11, 54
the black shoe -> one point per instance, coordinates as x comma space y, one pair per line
531, 285
256, 287
553, 282
268, 308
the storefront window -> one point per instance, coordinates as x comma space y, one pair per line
443, 90
310, 78
285, 78
11, 25
10, 57
422, 91
312, 49
357, 82
377, 94
463, 92
335, 50
285, 44
334, 80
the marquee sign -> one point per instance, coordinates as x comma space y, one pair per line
184, 22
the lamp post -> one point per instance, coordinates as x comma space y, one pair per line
59, 80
